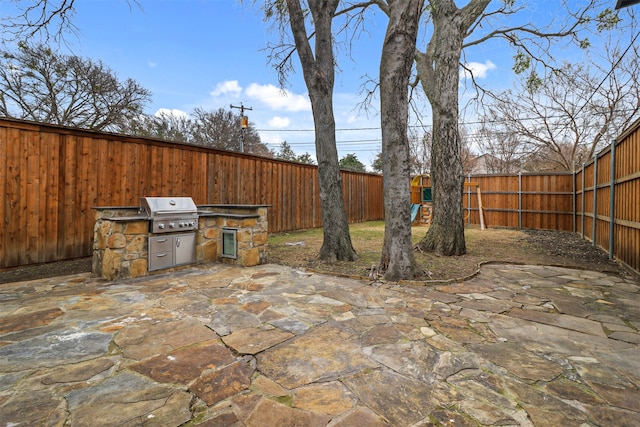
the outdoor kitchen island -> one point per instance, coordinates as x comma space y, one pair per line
165, 232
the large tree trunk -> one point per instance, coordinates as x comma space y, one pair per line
319, 76
336, 244
395, 72
438, 69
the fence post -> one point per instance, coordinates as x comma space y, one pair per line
612, 189
519, 200
469, 202
573, 202
583, 204
595, 199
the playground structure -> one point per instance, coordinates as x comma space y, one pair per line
422, 200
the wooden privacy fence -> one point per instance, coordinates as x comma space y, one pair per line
538, 201
608, 198
601, 201
51, 177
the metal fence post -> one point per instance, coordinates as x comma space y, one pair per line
573, 202
595, 199
469, 203
612, 189
583, 204
519, 200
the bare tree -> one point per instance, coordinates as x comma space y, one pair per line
419, 151
572, 113
318, 64
163, 125
438, 68
467, 157
454, 29
38, 84
502, 151
218, 129
43, 19
47, 18
222, 129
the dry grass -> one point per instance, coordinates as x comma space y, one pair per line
299, 249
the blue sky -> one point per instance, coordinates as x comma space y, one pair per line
210, 54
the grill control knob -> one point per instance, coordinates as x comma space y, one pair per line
172, 225
161, 226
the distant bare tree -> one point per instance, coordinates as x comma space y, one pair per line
503, 152
163, 125
222, 129
561, 122
466, 155
218, 129
419, 151
41, 85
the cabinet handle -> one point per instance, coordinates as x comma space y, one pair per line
177, 242
161, 255
162, 240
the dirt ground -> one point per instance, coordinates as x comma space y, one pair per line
299, 249
539, 247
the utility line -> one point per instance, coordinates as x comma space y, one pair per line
477, 137
608, 74
422, 126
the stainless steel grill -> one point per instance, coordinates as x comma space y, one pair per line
177, 216
170, 214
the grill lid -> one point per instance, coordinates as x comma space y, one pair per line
162, 206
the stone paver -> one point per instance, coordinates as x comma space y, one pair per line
219, 345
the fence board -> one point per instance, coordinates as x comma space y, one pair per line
49, 213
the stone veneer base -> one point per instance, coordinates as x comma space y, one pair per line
121, 251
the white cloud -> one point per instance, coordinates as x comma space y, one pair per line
351, 119
278, 99
279, 122
152, 64
273, 140
479, 70
175, 112
229, 87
